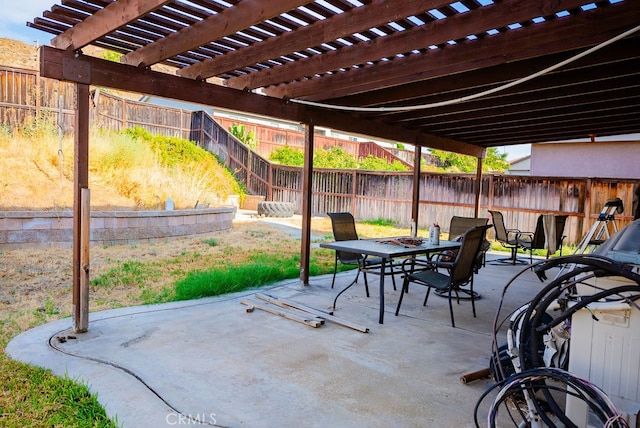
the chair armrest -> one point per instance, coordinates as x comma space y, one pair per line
528, 234
413, 264
514, 232
446, 265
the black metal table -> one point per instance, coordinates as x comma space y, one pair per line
387, 251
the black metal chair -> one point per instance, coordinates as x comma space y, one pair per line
507, 237
530, 241
344, 229
459, 225
461, 272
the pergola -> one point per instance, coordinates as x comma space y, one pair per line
458, 76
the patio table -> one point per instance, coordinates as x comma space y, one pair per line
381, 247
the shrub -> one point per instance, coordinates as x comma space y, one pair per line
287, 156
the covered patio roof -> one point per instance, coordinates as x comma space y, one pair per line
400, 67
380, 54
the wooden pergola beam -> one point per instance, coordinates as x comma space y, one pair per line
105, 21
229, 21
64, 65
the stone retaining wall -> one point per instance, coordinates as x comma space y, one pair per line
43, 229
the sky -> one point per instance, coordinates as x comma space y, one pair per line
14, 17
16, 14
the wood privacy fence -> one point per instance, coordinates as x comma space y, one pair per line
367, 194
271, 137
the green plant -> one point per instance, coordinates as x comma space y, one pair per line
333, 157
382, 222
212, 242
240, 132
38, 398
263, 269
151, 168
455, 162
286, 155
111, 55
372, 163
125, 273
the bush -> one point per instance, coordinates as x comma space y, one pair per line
151, 168
333, 157
372, 163
287, 156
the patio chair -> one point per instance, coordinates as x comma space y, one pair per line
537, 240
344, 229
457, 228
507, 237
460, 273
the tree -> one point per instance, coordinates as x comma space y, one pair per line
455, 162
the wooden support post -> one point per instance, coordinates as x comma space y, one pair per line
80, 211
415, 203
307, 197
85, 233
478, 187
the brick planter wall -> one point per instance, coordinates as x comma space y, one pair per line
42, 229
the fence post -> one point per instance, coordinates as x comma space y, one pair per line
124, 114
490, 193
587, 207
476, 207
354, 190
270, 182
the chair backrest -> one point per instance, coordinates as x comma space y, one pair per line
344, 229
463, 266
459, 225
538, 236
537, 242
344, 226
498, 224
561, 221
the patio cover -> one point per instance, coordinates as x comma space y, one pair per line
424, 57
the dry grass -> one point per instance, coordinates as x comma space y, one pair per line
36, 173
35, 285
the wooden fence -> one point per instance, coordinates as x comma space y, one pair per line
24, 97
271, 137
387, 195
368, 195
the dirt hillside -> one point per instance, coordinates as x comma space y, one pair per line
18, 54
30, 182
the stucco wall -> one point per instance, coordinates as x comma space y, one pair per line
615, 159
40, 229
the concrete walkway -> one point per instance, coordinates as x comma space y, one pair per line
210, 360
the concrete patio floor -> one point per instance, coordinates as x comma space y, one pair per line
211, 360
